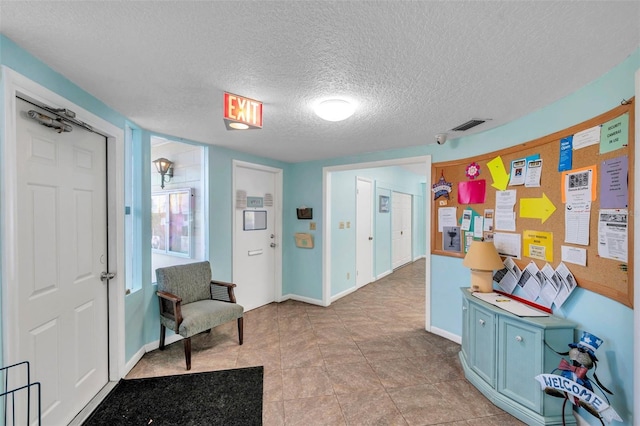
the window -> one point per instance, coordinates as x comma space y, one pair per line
172, 222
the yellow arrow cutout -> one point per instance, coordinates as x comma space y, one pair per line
498, 173
537, 208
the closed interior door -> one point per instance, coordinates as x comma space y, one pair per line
256, 240
401, 230
364, 232
62, 249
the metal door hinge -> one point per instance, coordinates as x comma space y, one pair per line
106, 276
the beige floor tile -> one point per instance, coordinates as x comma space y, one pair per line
370, 408
349, 378
320, 411
305, 383
364, 360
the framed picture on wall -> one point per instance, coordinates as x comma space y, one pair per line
383, 204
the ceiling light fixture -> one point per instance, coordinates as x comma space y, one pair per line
335, 110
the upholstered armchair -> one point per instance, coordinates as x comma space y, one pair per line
191, 302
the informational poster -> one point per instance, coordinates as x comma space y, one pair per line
550, 287
578, 184
505, 217
614, 134
531, 281
451, 238
586, 138
488, 220
577, 255
614, 183
508, 245
538, 245
577, 217
567, 284
613, 233
534, 173
518, 171
566, 154
446, 217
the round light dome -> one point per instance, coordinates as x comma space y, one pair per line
238, 126
335, 110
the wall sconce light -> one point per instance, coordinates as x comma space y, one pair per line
482, 258
165, 168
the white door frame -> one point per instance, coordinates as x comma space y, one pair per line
326, 221
15, 84
277, 205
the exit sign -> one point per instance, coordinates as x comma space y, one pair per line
241, 112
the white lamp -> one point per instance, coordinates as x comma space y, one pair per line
482, 258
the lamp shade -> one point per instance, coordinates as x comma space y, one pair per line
483, 256
162, 165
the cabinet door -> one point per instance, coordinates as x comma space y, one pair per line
482, 343
520, 349
465, 328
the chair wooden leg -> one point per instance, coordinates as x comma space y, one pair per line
162, 332
240, 328
187, 351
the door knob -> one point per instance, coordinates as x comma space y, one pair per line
272, 245
481, 322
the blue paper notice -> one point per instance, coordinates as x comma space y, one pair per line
566, 154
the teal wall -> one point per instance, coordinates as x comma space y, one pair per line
385, 180
302, 269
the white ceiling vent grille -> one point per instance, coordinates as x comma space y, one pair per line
468, 125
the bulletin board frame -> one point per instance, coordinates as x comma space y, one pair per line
610, 278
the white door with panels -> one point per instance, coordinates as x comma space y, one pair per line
62, 251
401, 216
364, 232
256, 248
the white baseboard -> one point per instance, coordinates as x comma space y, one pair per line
148, 348
343, 294
301, 299
443, 333
384, 274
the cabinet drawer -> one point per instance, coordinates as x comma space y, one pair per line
482, 343
520, 359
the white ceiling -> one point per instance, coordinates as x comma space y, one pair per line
413, 68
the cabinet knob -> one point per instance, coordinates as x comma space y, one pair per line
481, 322
464, 308
519, 339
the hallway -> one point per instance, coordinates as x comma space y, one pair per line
366, 359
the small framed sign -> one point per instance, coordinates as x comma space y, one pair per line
383, 204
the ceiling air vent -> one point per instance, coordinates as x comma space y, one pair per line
469, 124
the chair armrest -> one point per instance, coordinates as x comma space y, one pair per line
217, 295
175, 302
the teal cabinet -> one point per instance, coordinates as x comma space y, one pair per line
502, 353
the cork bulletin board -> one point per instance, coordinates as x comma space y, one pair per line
608, 277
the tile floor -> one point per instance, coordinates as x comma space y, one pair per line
365, 360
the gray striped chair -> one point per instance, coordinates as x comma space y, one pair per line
191, 302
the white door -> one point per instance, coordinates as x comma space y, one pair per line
256, 249
364, 232
401, 214
62, 249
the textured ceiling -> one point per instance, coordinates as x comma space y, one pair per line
413, 68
